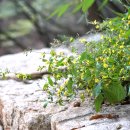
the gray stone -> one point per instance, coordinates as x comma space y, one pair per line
78, 45
21, 105
80, 119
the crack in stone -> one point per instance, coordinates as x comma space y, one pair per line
12, 116
1, 114
77, 117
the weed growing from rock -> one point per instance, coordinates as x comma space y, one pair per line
102, 70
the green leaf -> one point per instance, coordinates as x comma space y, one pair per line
45, 104
82, 96
97, 89
63, 9
60, 62
83, 56
60, 102
77, 8
69, 86
50, 81
60, 10
45, 87
114, 92
98, 102
53, 53
87, 74
49, 68
127, 33
86, 4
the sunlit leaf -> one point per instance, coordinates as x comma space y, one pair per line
69, 86
86, 4
60, 10
77, 8
50, 81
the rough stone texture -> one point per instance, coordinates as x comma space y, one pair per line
21, 105
78, 119
80, 46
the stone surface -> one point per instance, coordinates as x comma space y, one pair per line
79, 119
81, 46
21, 105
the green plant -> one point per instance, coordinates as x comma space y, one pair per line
102, 70
77, 5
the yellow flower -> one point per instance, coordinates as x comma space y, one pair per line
61, 88
101, 58
122, 46
65, 93
61, 53
109, 69
110, 40
82, 40
102, 37
105, 65
97, 59
94, 22
110, 22
113, 68
97, 27
104, 59
122, 70
104, 51
112, 29
58, 93
120, 36
121, 31
113, 51
104, 76
129, 22
123, 19
123, 77
88, 62
96, 80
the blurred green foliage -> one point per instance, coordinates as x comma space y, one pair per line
25, 16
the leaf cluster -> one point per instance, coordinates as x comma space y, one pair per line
102, 70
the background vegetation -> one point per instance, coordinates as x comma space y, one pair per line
35, 23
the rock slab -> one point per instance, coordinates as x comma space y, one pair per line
21, 105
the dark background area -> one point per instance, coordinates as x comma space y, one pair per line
24, 24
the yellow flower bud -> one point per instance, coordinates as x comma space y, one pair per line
105, 65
